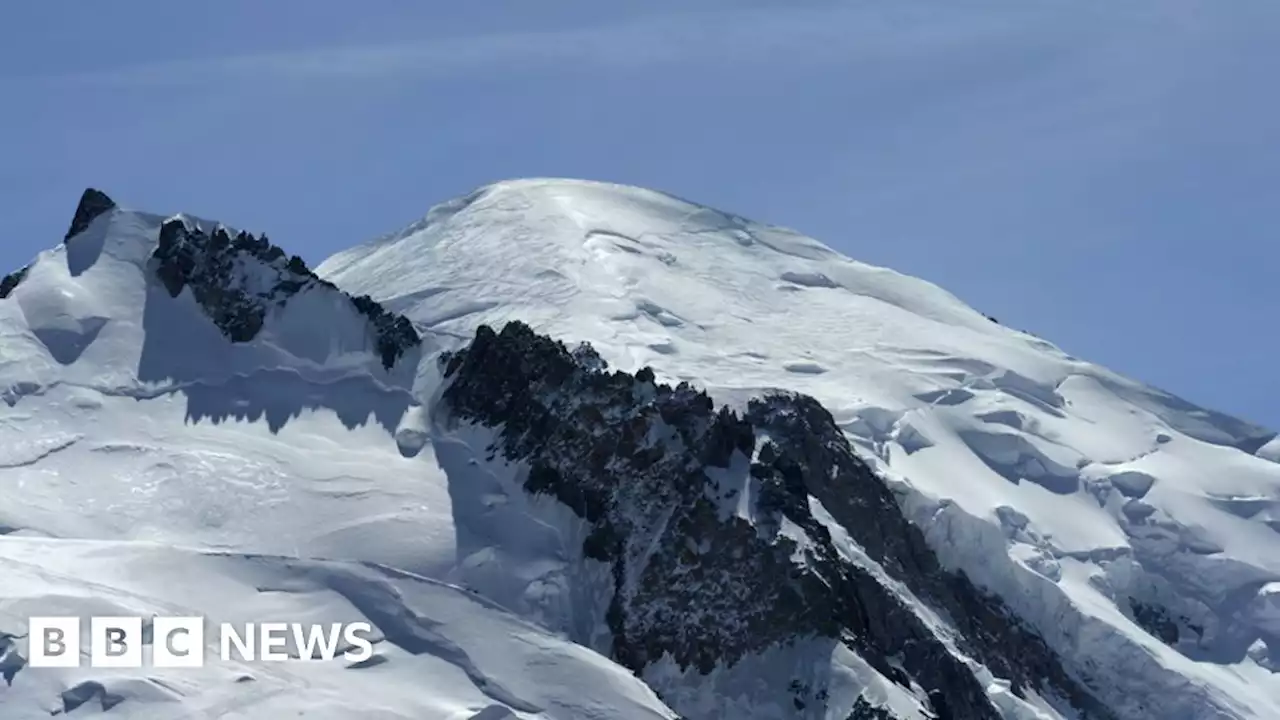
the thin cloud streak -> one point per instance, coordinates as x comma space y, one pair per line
824, 34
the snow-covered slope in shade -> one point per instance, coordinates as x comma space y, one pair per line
440, 652
142, 420
1137, 533
188, 415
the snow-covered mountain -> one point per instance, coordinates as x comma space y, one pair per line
579, 450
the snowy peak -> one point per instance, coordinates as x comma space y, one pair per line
1123, 524
115, 347
770, 480
138, 294
692, 291
592, 242
93, 202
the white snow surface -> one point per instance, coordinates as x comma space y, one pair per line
149, 466
1061, 485
447, 654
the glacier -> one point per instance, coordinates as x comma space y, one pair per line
195, 420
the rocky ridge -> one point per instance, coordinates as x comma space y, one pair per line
238, 279
10, 282
707, 588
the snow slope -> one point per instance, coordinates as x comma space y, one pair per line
442, 652
1087, 500
150, 466
148, 462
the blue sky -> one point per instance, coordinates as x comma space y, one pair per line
1104, 174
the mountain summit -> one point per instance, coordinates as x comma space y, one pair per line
577, 448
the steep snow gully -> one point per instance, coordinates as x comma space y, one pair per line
579, 450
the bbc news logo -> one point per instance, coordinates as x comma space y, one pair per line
179, 642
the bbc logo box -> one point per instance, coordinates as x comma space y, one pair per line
56, 642
179, 642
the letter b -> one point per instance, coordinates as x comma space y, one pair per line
115, 642
53, 642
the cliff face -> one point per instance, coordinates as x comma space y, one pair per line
704, 518
237, 280
93, 202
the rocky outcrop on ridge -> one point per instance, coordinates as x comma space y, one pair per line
705, 587
93, 202
10, 282
237, 279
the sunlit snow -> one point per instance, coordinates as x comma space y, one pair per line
150, 466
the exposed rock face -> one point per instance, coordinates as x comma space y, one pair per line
863, 710
395, 333
238, 279
87, 691
811, 445
92, 204
9, 282
11, 663
704, 586
1157, 621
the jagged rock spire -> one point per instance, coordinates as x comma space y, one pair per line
93, 203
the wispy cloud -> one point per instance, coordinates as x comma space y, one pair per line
814, 33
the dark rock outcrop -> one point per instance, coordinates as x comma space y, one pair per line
11, 662
237, 280
706, 587
9, 282
93, 203
810, 444
1161, 623
208, 265
863, 710
395, 333
87, 691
